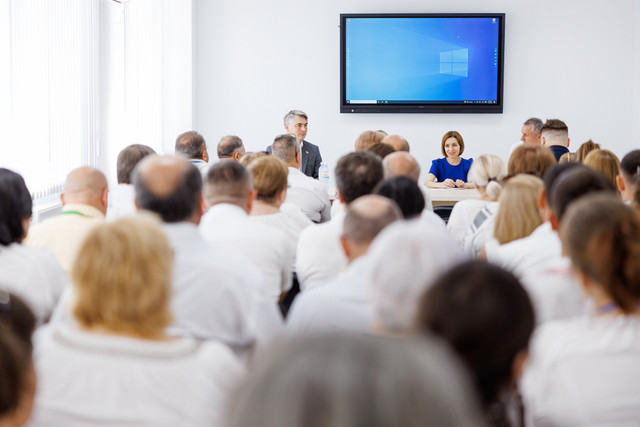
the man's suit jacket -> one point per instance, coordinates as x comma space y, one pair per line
311, 159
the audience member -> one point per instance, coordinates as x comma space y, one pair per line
404, 164
403, 261
555, 135
531, 159
518, 213
568, 158
270, 183
356, 380
405, 192
629, 173
84, 206
368, 138
530, 133
229, 195
117, 366
537, 259
122, 197
583, 371
344, 303
484, 313
450, 171
585, 149
486, 173
397, 142
18, 386
193, 146
32, 273
251, 156
606, 162
296, 123
304, 192
230, 147
381, 149
215, 295
319, 256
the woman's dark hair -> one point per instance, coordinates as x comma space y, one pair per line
15, 207
405, 193
16, 316
485, 314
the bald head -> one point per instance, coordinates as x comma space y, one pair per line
397, 142
170, 186
87, 186
401, 163
367, 216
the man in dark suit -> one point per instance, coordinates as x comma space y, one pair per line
295, 123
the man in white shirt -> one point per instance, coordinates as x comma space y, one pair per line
344, 304
122, 198
193, 146
537, 259
230, 147
302, 191
229, 195
319, 256
215, 295
84, 205
402, 163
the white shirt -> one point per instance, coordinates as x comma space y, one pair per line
342, 305
121, 202
33, 274
64, 234
319, 256
94, 379
584, 372
267, 248
290, 220
202, 166
462, 216
428, 203
481, 229
218, 296
309, 195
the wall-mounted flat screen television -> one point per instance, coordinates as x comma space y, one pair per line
422, 63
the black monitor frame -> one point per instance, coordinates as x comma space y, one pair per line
431, 107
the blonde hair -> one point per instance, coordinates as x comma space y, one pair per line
606, 162
251, 156
488, 171
269, 177
585, 149
569, 158
518, 213
122, 277
367, 138
531, 159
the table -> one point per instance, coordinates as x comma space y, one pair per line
451, 196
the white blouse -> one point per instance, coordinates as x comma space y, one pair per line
584, 372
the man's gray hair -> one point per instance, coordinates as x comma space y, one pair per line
367, 216
227, 182
535, 123
190, 144
293, 113
285, 147
228, 145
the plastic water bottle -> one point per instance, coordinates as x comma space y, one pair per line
323, 173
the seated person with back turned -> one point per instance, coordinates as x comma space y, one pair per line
451, 170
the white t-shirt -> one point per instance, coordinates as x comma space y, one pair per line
94, 379
462, 216
33, 274
584, 372
309, 195
121, 202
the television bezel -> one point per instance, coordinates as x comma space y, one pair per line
434, 108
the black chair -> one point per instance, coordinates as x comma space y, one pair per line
443, 212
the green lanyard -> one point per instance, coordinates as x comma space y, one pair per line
72, 213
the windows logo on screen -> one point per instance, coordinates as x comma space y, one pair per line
455, 62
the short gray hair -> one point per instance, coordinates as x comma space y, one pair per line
293, 113
228, 145
535, 123
285, 147
356, 380
367, 216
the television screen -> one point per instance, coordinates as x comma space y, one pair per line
421, 63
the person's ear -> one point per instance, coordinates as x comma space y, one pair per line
543, 140
620, 183
62, 199
250, 198
553, 219
568, 142
104, 198
346, 248
205, 156
339, 195
236, 156
518, 365
282, 196
298, 157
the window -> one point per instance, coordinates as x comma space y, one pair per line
455, 62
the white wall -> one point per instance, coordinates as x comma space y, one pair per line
575, 60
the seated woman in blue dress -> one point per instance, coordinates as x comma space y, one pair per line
450, 171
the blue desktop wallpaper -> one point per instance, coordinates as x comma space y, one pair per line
422, 59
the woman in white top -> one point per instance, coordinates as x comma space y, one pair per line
270, 183
116, 365
585, 371
32, 273
486, 173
